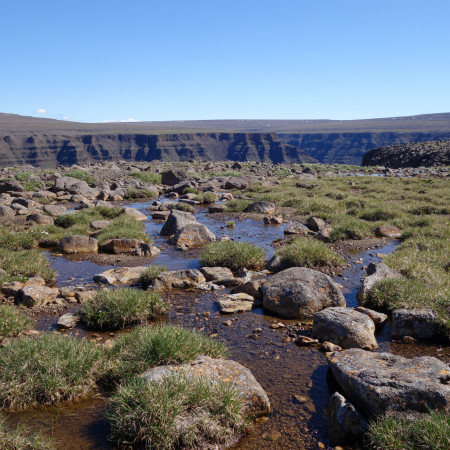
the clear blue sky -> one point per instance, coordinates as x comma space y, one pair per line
97, 60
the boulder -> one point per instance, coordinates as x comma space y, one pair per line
179, 188
417, 323
251, 287
261, 208
194, 235
388, 231
216, 273
383, 383
120, 276
55, 210
296, 228
345, 327
40, 219
36, 295
78, 244
224, 370
28, 203
117, 246
233, 303
377, 317
176, 221
160, 215
324, 234
316, 223
99, 224
236, 183
273, 220
67, 321
375, 272
179, 279
134, 213
6, 211
298, 292
346, 424
220, 208
10, 186
173, 176
74, 186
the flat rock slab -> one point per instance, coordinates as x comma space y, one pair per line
216, 273
345, 327
179, 279
224, 370
380, 383
233, 303
120, 276
298, 292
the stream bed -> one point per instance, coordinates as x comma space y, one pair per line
295, 378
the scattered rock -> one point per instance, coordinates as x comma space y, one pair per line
375, 272
117, 246
233, 303
78, 244
261, 208
316, 223
377, 317
388, 231
305, 341
330, 347
416, 323
120, 276
173, 176
6, 211
216, 273
296, 228
134, 213
40, 219
176, 221
99, 224
193, 235
274, 220
55, 210
345, 327
179, 279
67, 321
37, 295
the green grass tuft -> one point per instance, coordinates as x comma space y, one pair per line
111, 309
12, 321
234, 255
20, 439
150, 274
147, 177
83, 175
176, 413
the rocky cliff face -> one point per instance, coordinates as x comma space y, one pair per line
349, 148
417, 154
45, 150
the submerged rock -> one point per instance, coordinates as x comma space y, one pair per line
298, 292
381, 383
224, 370
345, 327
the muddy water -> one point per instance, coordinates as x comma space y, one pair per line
295, 378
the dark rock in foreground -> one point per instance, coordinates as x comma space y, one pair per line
381, 383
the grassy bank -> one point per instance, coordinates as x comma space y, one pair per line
18, 438
12, 321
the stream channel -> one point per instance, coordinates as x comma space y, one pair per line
295, 378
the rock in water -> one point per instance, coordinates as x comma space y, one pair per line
381, 383
417, 323
232, 303
298, 292
78, 244
231, 372
120, 276
194, 235
179, 279
176, 221
345, 327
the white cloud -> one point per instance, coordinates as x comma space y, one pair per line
123, 120
41, 111
130, 120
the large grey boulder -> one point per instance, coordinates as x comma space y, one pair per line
236, 183
417, 323
345, 327
78, 244
382, 383
176, 221
179, 279
375, 273
219, 370
37, 295
261, 208
11, 186
298, 292
194, 235
6, 211
345, 422
73, 186
173, 176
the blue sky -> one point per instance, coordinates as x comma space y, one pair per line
101, 60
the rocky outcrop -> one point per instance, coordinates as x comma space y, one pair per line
381, 383
223, 370
414, 154
298, 292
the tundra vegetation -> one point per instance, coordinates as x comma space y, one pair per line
12, 321
150, 274
18, 438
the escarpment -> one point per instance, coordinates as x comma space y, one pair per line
47, 150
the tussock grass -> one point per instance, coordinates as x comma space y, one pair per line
430, 431
12, 240
12, 321
87, 215
147, 177
304, 252
150, 274
47, 369
206, 198
111, 309
150, 346
135, 193
124, 227
234, 255
23, 264
19, 438
83, 175
180, 206
176, 413
237, 205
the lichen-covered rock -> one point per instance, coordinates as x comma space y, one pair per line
233, 303
261, 208
216, 273
176, 221
120, 276
345, 422
345, 327
36, 295
117, 246
78, 244
194, 235
298, 292
375, 272
179, 279
377, 317
417, 323
223, 370
381, 383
